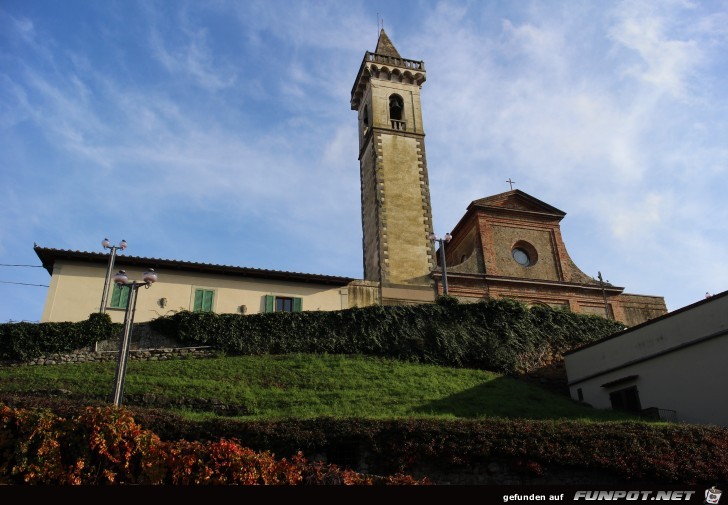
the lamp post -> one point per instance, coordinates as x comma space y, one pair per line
442, 242
148, 278
112, 256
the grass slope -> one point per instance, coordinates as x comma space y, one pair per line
304, 386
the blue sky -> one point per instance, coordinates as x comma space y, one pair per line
221, 131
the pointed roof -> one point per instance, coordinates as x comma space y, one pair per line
385, 46
385, 55
517, 200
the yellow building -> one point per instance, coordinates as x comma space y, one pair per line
78, 278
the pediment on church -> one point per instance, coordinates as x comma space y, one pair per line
516, 200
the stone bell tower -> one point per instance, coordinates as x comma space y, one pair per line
395, 193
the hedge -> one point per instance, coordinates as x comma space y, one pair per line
27, 341
104, 445
499, 335
147, 446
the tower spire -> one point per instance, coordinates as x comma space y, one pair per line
385, 46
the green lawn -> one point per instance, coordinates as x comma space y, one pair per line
308, 386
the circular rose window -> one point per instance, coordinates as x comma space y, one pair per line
524, 253
521, 256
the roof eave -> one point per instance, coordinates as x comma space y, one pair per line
48, 258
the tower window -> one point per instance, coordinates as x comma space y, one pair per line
396, 108
365, 116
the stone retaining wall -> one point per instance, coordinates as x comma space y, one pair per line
146, 345
134, 354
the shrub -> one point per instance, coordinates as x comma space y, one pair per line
26, 341
104, 445
502, 335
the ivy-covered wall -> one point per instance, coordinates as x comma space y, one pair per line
498, 335
26, 341
502, 336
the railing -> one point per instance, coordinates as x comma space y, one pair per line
398, 125
658, 414
391, 60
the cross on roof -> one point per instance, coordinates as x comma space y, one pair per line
509, 181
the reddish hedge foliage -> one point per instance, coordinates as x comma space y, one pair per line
633, 451
104, 445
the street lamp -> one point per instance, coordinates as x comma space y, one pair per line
442, 242
112, 256
122, 280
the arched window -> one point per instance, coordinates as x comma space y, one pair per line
365, 116
396, 112
396, 108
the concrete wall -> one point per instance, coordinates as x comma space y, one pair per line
363, 293
639, 308
75, 292
678, 361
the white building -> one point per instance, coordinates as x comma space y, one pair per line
674, 366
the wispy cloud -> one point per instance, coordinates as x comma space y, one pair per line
226, 127
664, 62
193, 58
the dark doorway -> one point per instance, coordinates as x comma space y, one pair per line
627, 399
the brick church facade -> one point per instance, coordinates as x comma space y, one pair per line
506, 245
510, 245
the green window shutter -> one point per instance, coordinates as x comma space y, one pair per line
207, 301
115, 296
297, 304
119, 297
203, 300
197, 306
270, 303
124, 297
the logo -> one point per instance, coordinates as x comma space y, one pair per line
712, 496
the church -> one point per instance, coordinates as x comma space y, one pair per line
505, 245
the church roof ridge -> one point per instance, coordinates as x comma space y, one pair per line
385, 45
492, 200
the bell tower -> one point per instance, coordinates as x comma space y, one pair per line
395, 193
